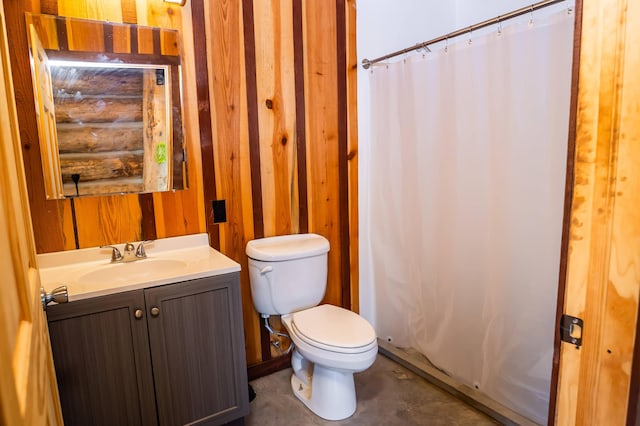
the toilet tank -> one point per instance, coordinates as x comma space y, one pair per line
288, 273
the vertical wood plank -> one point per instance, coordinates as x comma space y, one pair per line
258, 162
108, 220
205, 134
145, 40
122, 39
46, 6
225, 50
321, 75
352, 154
276, 113
301, 122
169, 44
80, 36
343, 146
129, 14
252, 117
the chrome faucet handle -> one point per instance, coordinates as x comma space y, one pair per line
116, 256
140, 252
129, 252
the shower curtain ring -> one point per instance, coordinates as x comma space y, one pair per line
531, 15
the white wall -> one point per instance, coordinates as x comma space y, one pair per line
384, 26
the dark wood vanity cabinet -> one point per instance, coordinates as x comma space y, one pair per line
167, 355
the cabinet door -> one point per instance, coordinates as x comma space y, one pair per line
197, 351
101, 356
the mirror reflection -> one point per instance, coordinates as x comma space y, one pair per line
112, 128
108, 123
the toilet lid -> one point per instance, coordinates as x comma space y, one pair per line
328, 325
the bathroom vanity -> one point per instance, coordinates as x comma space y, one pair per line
164, 346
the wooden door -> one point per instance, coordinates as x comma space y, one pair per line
603, 263
28, 391
197, 351
45, 115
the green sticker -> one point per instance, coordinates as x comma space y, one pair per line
161, 153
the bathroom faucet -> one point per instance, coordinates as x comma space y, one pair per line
131, 253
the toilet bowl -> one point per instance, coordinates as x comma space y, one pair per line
331, 344
288, 277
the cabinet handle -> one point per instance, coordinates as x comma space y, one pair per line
155, 311
138, 314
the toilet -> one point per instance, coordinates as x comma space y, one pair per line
288, 276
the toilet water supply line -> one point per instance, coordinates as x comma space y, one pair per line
274, 343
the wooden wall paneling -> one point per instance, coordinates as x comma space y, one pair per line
122, 39
169, 43
273, 29
145, 40
301, 122
205, 134
343, 146
48, 217
110, 219
84, 36
253, 201
227, 92
250, 97
322, 133
129, 13
158, 13
181, 212
250, 177
272, 105
352, 154
99, 10
49, 7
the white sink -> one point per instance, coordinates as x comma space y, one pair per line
89, 273
132, 271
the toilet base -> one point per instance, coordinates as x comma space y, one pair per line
330, 395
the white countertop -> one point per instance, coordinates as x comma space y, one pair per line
90, 273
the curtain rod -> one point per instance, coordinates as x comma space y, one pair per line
366, 63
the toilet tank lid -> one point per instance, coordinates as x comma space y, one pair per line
287, 247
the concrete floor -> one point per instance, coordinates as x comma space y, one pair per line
387, 394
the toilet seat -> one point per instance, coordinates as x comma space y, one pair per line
334, 329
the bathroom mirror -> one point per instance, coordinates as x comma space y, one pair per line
108, 104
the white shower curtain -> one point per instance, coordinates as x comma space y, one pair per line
468, 162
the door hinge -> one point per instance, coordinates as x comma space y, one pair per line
571, 329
